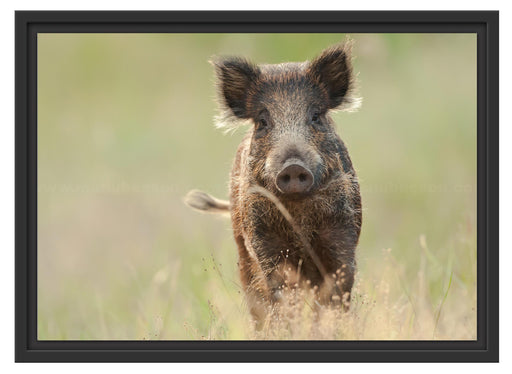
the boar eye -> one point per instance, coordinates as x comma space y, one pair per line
262, 123
261, 127
315, 118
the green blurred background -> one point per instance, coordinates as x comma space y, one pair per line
125, 129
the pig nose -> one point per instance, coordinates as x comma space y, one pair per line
294, 178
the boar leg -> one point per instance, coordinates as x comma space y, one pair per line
254, 283
337, 244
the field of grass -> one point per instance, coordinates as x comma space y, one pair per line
125, 129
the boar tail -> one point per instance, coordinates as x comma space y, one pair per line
206, 203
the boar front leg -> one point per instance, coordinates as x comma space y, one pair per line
254, 282
265, 271
338, 244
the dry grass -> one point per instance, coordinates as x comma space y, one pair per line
383, 307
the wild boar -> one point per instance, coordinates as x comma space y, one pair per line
295, 204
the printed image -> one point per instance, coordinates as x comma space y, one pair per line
257, 186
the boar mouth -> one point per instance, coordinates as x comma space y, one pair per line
295, 196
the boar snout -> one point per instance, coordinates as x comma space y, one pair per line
294, 177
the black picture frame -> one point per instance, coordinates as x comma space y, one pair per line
29, 23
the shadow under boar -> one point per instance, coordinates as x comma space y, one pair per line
294, 202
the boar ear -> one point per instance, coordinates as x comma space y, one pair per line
333, 71
235, 76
